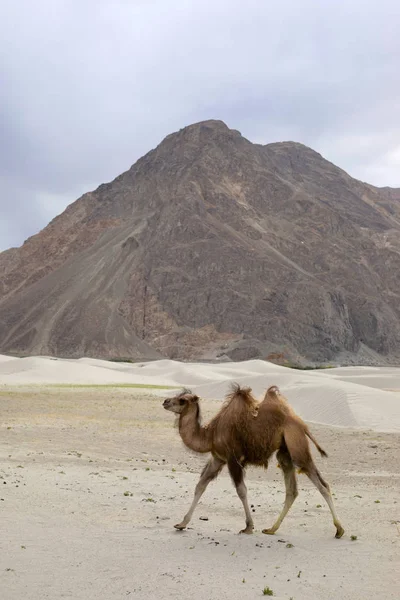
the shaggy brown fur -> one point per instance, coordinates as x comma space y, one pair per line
247, 432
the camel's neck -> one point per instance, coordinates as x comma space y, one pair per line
193, 435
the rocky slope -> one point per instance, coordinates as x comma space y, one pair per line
212, 245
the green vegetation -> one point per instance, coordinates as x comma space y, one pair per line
107, 385
123, 360
267, 591
353, 538
291, 365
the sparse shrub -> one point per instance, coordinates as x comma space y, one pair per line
123, 360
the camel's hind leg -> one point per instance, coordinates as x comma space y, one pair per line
297, 445
323, 487
210, 472
237, 474
289, 474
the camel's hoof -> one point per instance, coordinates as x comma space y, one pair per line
339, 532
269, 531
180, 526
248, 530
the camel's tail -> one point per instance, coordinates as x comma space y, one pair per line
318, 447
274, 391
295, 433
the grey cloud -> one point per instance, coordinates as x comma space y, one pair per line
89, 87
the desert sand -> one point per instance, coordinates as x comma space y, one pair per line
93, 476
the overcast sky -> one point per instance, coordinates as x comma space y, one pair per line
89, 86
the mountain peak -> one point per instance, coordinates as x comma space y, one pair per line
211, 245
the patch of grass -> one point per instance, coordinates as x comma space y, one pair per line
150, 500
353, 538
291, 365
377, 501
319, 505
108, 386
289, 545
267, 591
128, 494
123, 360
124, 478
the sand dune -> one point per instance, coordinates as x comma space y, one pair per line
349, 397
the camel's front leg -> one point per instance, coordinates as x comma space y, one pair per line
236, 472
210, 472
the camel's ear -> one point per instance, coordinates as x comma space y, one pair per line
195, 398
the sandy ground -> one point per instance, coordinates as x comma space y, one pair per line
93, 479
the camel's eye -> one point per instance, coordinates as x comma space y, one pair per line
182, 401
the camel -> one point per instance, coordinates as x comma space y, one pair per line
247, 432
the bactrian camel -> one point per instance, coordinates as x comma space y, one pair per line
246, 432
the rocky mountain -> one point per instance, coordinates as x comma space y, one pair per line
213, 246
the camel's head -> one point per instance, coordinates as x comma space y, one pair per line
182, 401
